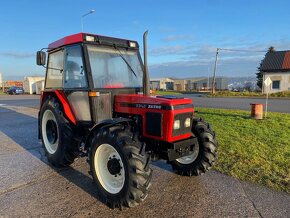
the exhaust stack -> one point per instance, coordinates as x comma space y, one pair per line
146, 87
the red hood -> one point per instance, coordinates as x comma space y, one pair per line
155, 100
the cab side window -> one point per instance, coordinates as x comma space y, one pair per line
74, 73
54, 71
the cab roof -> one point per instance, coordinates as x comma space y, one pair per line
93, 39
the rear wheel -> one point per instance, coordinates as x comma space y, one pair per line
204, 154
57, 134
120, 167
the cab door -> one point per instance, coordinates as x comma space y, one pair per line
75, 82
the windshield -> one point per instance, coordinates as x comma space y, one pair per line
115, 68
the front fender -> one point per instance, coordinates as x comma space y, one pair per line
105, 124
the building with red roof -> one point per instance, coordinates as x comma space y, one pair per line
276, 65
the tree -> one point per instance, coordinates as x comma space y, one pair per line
248, 86
259, 74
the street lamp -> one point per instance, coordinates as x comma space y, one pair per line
82, 23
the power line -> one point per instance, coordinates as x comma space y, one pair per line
239, 50
216, 61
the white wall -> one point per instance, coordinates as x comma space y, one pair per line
283, 77
29, 84
1, 80
39, 87
161, 81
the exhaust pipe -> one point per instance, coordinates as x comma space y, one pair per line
146, 83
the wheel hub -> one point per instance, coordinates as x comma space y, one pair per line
114, 166
191, 157
109, 168
51, 131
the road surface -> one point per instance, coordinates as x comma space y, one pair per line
275, 105
30, 187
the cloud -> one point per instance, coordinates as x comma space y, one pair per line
164, 29
204, 67
173, 38
197, 59
18, 54
168, 50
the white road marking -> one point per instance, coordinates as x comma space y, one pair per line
32, 112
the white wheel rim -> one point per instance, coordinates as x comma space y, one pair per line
112, 183
48, 116
189, 158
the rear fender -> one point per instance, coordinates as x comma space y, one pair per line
64, 102
66, 107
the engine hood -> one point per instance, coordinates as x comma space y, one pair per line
154, 102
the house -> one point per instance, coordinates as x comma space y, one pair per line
161, 84
16, 83
39, 87
276, 65
1, 80
205, 84
181, 85
29, 84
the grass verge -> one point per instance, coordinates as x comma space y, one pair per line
252, 150
167, 93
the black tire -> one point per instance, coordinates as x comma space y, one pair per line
57, 134
207, 151
134, 171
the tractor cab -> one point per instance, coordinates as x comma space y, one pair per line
91, 70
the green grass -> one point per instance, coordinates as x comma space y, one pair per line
248, 94
252, 150
167, 93
2, 93
281, 94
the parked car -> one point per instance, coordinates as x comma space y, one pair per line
13, 90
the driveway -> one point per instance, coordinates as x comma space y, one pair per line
30, 187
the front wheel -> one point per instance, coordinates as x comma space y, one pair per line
203, 156
120, 167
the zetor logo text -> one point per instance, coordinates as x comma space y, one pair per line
149, 106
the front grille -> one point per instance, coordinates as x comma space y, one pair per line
182, 130
154, 124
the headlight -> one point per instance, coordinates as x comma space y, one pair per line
132, 44
90, 38
187, 122
176, 124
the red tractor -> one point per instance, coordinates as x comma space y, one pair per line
96, 103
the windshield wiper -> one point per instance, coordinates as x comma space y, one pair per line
124, 59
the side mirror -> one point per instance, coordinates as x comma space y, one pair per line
41, 58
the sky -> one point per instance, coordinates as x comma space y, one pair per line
182, 39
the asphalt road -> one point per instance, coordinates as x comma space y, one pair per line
30, 187
274, 105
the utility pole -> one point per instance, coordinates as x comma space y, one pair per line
214, 72
207, 78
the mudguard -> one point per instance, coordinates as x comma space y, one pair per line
106, 124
